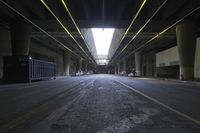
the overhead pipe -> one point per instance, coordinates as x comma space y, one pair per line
164, 31
14, 10
139, 31
66, 30
74, 22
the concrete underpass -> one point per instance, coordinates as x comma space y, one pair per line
100, 66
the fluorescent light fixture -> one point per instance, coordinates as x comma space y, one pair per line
102, 39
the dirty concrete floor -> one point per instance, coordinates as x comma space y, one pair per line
101, 104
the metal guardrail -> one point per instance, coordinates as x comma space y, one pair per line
23, 69
41, 69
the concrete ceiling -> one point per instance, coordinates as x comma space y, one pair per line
87, 33
103, 13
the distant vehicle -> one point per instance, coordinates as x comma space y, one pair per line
79, 73
131, 74
123, 73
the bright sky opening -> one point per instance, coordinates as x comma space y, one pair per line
103, 62
102, 39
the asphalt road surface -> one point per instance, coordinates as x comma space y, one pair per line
100, 104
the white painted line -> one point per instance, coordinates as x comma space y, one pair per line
162, 104
22, 119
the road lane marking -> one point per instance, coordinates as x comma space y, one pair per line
50, 120
162, 104
23, 118
47, 122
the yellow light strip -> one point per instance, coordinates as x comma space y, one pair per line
138, 32
144, 25
14, 10
143, 3
195, 121
55, 17
70, 15
66, 30
165, 30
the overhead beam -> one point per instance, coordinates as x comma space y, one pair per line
155, 24
77, 28
162, 32
65, 28
38, 27
56, 34
133, 20
139, 31
150, 35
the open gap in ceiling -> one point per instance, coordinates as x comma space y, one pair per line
102, 40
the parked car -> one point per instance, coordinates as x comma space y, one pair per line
79, 73
123, 73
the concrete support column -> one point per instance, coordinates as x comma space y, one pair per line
86, 67
115, 69
80, 64
186, 40
5, 46
197, 61
124, 65
118, 68
138, 63
20, 37
67, 62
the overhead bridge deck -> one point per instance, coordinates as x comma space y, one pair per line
99, 66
